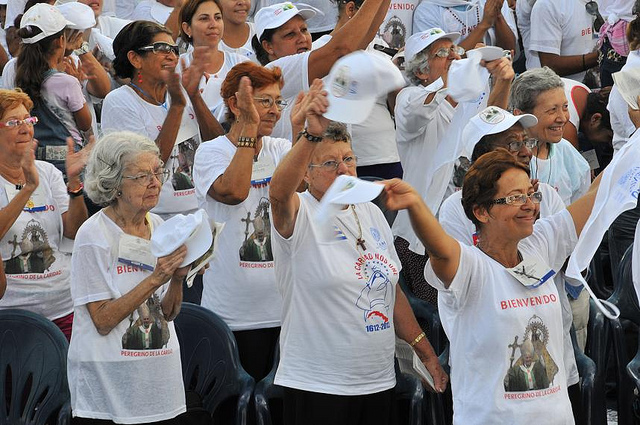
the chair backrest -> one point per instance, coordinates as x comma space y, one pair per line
624, 296
210, 363
33, 368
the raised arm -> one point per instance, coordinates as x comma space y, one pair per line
166, 138
501, 71
355, 34
580, 210
77, 213
444, 251
491, 18
291, 170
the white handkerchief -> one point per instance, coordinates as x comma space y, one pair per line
628, 82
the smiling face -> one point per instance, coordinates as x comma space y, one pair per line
235, 11
552, 111
206, 26
96, 5
514, 134
514, 222
320, 179
140, 195
290, 38
150, 64
14, 141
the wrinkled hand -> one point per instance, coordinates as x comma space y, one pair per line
440, 377
192, 74
492, 9
174, 87
248, 113
398, 194
500, 69
167, 266
316, 107
73, 70
28, 164
76, 161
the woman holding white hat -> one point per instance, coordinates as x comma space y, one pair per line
42, 30
202, 25
283, 40
232, 175
342, 308
124, 356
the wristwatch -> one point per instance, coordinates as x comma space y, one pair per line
84, 48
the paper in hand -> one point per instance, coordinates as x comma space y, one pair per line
411, 364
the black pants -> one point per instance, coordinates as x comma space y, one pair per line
308, 408
256, 348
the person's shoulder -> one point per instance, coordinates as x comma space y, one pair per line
123, 94
233, 58
219, 144
93, 231
290, 60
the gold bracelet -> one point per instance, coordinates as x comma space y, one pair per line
418, 339
246, 142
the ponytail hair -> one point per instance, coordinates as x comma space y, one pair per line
33, 61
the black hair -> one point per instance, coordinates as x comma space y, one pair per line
261, 54
597, 104
133, 36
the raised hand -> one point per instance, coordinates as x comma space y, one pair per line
500, 69
492, 9
316, 107
248, 113
70, 68
174, 87
192, 74
76, 161
28, 165
399, 195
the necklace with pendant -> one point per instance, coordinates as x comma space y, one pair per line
465, 29
360, 242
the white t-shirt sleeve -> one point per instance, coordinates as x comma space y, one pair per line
555, 236
211, 161
67, 89
546, 28
118, 114
90, 273
411, 113
426, 16
455, 222
295, 72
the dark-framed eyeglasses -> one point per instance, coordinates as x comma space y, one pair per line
144, 179
516, 145
267, 102
592, 9
444, 52
161, 47
536, 198
332, 165
30, 121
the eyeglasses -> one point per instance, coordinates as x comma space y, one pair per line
444, 52
592, 9
515, 146
536, 198
333, 165
161, 47
31, 121
267, 102
144, 179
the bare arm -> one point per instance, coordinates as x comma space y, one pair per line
355, 34
505, 37
580, 210
408, 329
166, 139
567, 65
489, 17
444, 251
502, 72
291, 170
99, 83
107, 314
77, 213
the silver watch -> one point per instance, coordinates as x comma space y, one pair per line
84, 48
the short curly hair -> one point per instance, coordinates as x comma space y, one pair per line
108, 160
481, 181
11, 99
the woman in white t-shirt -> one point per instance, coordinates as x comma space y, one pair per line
497, 298
124, 355
283, 40
36, 211
232, 174
157, 105
342, 308
237, 31
202, 26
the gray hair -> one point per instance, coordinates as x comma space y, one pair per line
108, 160
337, 132
420, 63
529, 85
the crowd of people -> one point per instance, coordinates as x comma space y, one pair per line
117, 115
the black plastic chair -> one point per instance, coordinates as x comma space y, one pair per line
33, 370
210, 363
633, 369
592, 399
390, 215
407, 388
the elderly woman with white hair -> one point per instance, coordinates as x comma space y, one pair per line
113, 273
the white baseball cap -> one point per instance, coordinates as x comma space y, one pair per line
356, 81
45, 17
493, 120
276, 15
421, 40
193, 230
82, 15
3, 2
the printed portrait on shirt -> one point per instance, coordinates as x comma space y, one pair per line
182, 168
256, 246
534, 369
36, 255
149, 331
394, 33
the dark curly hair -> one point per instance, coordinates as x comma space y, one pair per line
481, 182
133, 36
